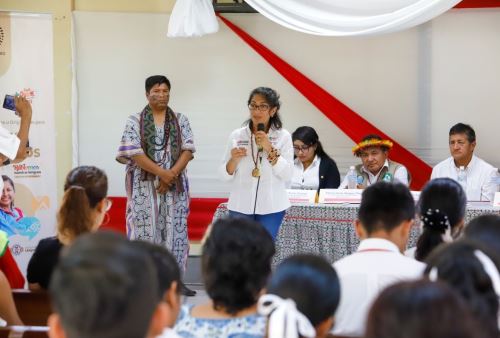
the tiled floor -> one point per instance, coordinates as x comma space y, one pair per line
200, 298
193, 280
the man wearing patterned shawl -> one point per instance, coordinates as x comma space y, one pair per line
156, 146
376, 166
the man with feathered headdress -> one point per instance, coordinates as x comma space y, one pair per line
376, 166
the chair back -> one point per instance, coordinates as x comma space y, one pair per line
33, 307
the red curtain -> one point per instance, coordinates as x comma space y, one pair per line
353, 125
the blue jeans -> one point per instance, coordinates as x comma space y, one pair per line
271, 222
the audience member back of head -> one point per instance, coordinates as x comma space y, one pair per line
441, 207
236, 264
485, 229
312, 284
471, 270
420, 309
103, 287
169, 281
387, 211
385, 217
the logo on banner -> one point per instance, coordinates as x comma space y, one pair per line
27, 170
16, 249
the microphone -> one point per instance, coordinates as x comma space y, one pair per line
261, 127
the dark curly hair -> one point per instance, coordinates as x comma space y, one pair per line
236, 263
311, 282
458, 266
446, 196
273, 100
420, 309
485, 229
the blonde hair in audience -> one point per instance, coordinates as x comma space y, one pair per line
84, 188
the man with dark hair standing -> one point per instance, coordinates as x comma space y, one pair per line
475, 175
105, 287
384, 220
156, 146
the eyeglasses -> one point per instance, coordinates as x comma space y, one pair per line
303, 148
262, 107
109, 203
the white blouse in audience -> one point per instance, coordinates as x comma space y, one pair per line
306, 179
169, 333
187, 326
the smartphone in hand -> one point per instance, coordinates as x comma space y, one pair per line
9, 103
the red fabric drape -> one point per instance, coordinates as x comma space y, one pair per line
478, 4
353, 125
9, 267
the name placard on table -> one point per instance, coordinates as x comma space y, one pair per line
297, 196
333, 196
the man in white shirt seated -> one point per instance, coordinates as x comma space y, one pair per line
376, 166
384, 220
478, 181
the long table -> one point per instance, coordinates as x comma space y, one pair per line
328, 230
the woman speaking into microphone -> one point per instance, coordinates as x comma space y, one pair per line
259, 163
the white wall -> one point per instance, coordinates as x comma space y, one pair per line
413, 85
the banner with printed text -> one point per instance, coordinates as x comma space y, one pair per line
26, 68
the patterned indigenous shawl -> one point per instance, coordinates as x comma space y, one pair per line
172, 133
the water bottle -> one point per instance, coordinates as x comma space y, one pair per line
462, 177
352, 180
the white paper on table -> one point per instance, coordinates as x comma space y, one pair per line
496, 200
333, 196
298, 196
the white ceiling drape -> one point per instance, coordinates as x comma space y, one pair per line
318, 17
191, 18
350, 17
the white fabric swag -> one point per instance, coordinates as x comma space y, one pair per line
191, 18
319, 17
351, 17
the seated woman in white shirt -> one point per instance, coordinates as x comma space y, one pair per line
313, 168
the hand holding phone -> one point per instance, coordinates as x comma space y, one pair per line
9, 102
23, 107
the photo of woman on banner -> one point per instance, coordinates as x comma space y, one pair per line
12, 220
7, 199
